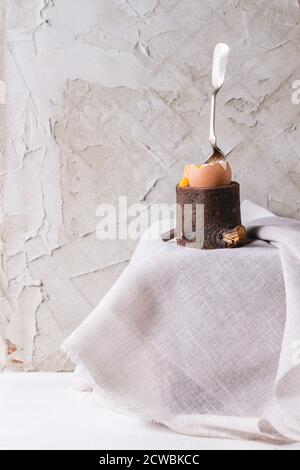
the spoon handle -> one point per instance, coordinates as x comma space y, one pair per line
212, 135
219, 66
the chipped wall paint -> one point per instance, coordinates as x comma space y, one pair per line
109, 97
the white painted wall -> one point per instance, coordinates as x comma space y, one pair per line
109, 97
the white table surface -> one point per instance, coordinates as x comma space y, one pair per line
43, 411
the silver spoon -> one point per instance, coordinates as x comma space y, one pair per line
220, 60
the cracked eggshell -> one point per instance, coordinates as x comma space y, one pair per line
210, 175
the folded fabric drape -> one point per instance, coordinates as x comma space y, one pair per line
204, 342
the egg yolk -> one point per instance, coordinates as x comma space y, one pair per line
184, 182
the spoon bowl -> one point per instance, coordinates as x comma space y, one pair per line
215, 157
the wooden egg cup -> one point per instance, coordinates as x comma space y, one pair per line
219, 225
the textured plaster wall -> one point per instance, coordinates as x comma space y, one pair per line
109, 97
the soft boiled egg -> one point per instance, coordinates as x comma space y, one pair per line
210, 175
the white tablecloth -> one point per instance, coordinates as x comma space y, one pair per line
204, 342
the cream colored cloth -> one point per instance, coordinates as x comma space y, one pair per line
204, 342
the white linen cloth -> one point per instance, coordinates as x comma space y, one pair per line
204, 342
